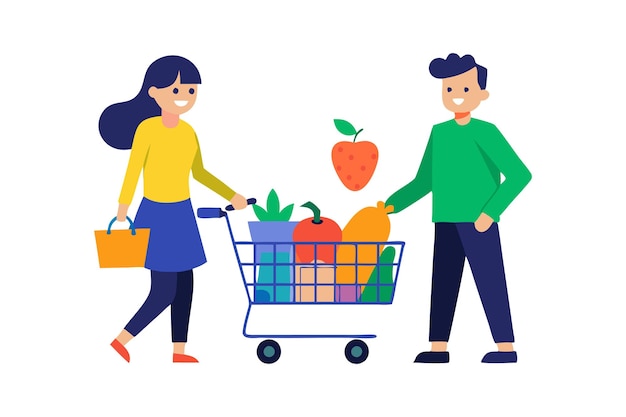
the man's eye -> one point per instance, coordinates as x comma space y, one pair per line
466, 89
176, 91
191, 91
449, 89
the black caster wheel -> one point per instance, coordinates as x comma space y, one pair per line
356, 351
268, 351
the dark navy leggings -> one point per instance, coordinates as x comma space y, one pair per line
174, 289
453, 243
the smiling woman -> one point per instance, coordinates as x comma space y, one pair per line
119, 121
166, 149
174, 100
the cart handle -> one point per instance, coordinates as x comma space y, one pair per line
250, 201
215, 212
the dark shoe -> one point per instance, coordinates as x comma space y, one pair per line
500, 357
433, 357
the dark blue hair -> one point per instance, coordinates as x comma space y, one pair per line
119, 121
455, 65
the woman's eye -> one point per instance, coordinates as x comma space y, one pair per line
191, 91
176, 91
466, 89
449, 89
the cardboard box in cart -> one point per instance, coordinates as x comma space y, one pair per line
315, 283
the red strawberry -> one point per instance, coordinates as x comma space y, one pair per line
354, 161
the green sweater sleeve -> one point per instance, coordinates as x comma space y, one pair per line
207, 179
516, 175
418, 187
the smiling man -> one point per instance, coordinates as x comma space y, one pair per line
462, 167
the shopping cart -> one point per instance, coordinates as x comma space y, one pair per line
271, 276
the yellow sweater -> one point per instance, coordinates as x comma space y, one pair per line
167, 155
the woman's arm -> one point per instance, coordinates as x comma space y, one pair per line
209, 180
122, 212
239, 202
138, 154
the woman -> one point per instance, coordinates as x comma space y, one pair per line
166, 149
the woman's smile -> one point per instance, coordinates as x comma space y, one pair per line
176, 98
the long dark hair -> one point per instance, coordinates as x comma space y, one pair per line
119, 121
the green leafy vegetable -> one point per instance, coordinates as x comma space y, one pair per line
272, 211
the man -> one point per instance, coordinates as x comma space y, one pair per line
462, 167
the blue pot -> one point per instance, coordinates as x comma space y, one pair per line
267, 237
271, 232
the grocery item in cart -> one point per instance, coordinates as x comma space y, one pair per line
347, 293
271, 236
379, 287
273, 226
369, 225
274, 281
316, 229
315, 283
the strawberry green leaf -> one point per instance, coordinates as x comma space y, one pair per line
345, 127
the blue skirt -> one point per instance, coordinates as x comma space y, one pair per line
175, 244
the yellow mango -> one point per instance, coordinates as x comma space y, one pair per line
370, 224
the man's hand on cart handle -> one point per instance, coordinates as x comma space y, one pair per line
122, 211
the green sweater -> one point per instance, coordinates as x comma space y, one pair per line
462, 166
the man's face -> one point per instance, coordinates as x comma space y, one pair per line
462, 93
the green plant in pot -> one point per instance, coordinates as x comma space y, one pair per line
272, 228
272, 211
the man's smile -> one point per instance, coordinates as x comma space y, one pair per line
458, 101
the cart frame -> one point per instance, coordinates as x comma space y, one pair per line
268, 350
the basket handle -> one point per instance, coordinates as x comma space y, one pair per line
132, 225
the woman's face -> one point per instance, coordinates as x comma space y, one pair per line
175, 99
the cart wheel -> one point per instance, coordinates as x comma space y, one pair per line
356, 351
268, 351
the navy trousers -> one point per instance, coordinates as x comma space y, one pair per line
454, 242
173, 289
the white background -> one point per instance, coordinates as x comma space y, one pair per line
275, 75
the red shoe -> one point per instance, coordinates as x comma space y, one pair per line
119, 348
179, 357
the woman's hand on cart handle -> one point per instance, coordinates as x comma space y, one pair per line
122, 212
239, 202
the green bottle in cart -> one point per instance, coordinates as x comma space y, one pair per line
379, 287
